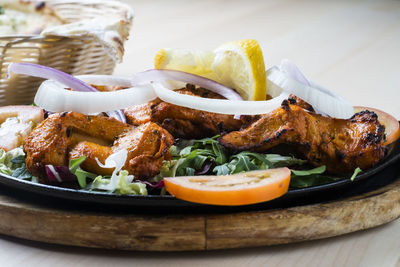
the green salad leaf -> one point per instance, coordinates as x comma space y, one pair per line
312, 177
13, 163
81, 175
189, 157
194, 156
122, 186
356, 172
318, 170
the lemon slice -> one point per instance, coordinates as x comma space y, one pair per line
238, 65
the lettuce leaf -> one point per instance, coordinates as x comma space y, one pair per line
81, 175
355, 173
124, 186
13, 163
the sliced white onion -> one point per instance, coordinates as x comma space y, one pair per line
116, 160
105, 80
293, 71
222, 106
175, 75
318, 98
52, 96
321, 98
71, 81
108, 80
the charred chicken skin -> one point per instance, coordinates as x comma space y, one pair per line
184, 122
341, 145
66, 136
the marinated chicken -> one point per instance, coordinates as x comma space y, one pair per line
66, 136
341, 145
184, 122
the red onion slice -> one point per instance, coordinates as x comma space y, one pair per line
159, 184
117, 114
50, 74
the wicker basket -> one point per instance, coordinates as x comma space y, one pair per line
72, 55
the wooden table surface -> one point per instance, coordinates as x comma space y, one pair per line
349, 46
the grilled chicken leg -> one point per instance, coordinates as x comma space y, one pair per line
65, 136
341, 145
184, 122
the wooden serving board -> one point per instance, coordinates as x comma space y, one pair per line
182, 232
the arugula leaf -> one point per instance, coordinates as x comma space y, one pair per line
189, 157
81, 175
207, 141
220, 153
21, 173
174, 151
18, 159
242, 163
307, 178
311, 180
222, 169
318, 170
283, 161
258, 159
189, 171
186, 151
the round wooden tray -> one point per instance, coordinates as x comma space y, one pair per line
182, 232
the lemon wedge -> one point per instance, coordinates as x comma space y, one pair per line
238, 65
188, 60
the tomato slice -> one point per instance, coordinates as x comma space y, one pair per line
231, 190
392, 127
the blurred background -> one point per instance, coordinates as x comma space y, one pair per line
351, 47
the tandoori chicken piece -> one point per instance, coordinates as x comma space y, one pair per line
65, 136
341, 145
184, 122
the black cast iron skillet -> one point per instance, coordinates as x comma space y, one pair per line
387, 171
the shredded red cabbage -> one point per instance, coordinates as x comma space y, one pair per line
59, 174
160, 184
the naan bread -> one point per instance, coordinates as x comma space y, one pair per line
33, 17
19, 17
110, 32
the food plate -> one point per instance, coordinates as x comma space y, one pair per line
382, 174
